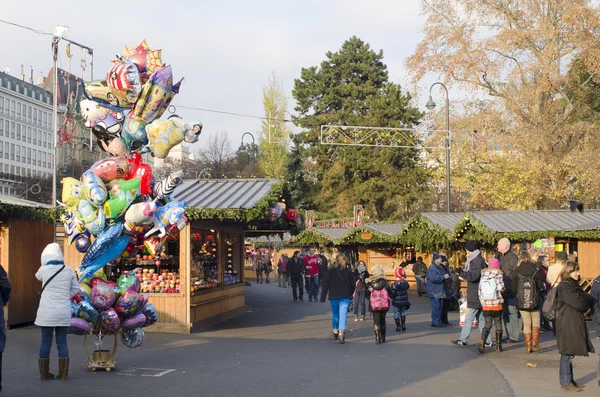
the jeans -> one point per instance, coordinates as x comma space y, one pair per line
360, 301
566, 370
282, 279
312, 286
399, 312
297, 283
259, 274
420, 285
511, 318
530, 319
436, 311
267, 276
471, 315
61, 341
339, 309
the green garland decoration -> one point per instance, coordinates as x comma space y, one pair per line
47, 215
423, 234
310, 237
246, 215
354, 236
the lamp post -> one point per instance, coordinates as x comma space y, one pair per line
243, 148
431, 105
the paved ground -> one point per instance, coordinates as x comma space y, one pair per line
281, 348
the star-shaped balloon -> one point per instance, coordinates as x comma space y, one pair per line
147, 59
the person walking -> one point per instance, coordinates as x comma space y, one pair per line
447, 288
5, 289
572, 336
360, 292
420, 271
508, 265
59, 284
472, 273
542, 264
282, 270
323, 266
311, 274
435, 288
528, 285
339, 283
400, 300
378, 293
296, 269
491, 287
595, 293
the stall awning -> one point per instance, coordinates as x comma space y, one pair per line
223, 193
445, 220
24, 203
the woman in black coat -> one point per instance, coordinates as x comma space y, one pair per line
572, 336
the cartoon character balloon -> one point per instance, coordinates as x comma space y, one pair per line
156, 95
93, 188
145, 58
72, 192
164, 135
169, 214
132, 338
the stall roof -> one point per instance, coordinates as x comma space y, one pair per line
391, 229
223, 193
445, 220
25, 203
537, 220
272, 238
569, 220
334, 232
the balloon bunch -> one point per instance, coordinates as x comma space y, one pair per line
118, 200
110, 308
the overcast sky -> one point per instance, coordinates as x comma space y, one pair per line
226, 50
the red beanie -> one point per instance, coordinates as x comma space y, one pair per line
400, 273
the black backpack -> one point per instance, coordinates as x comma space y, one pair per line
527, 292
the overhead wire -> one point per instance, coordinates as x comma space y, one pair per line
26, 27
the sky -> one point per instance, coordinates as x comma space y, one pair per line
225, 50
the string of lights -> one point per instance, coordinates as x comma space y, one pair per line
26, 27
229, 113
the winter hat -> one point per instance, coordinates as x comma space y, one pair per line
471, 245
400, 273
376, 272
52, 255
436, 256
494, 263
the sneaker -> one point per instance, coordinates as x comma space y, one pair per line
488, 344
438, 325
355, 319
570, 388
362, 318
459, 342
577, 385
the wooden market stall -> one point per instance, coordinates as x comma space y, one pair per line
25, 229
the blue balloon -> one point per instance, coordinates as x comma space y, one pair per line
110, 253
101, 244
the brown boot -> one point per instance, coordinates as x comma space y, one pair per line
535, 339
528, 343
342, 337
44, 365
63, 368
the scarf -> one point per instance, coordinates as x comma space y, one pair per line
470, 258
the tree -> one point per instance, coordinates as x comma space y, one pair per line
351, 87
520, 54
217, 155
244, 159
274, 137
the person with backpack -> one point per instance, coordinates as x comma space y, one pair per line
595, 293
378, 293
435, 289
339, 283
472, 273
400, 300
572, 337
528, 284
360, 292
491, 288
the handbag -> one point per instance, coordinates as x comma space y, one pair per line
39, 294
549, 306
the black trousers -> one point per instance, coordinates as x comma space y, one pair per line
297, 282
445, 310
495, 317
379, 318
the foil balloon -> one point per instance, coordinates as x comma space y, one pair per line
99, 91
291, 214
144, 174
141, 213
94, 219
74, 308
96, 280
111, 168
150, 312
102, 296
129, 304
87, 312
108, 127
156, 95
129, 281
97, 274
78, 326
111, 253
72, 192
134, 134
155, 245
92, 111
93, 188
122, 194
110, 320
145, 58
85, 288
132, 337
164, 135
165, 188
73, 226
169, 214
124, 79
83, 242
114, 146
80, 297
101, 244
139, 320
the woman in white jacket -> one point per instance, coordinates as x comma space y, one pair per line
54, 311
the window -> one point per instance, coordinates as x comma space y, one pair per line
42, 137
1, 150
12, 108
39, 162
35, 116
34, 136
18, 170
12, 129
24, 133
12, 151
29, 114
1, 105
18, 132
29, 172
1, 127
28, 134
12, 169
6, 167
5, 155
5, 190
45, 120
18, 110
44, 159
6, 128
40, 118
28, 155
18, 153
34, 156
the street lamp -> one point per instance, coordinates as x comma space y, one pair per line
243, 148
431, 105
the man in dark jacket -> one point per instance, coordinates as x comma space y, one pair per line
323, 265
508, 264
472, 273
296, 269
420, 271
5, 289
595, 292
